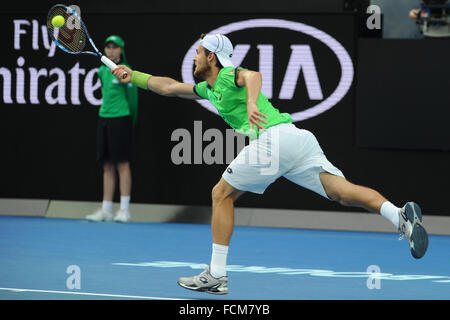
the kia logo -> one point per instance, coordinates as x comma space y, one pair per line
301, 59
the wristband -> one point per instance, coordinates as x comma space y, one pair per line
140, 79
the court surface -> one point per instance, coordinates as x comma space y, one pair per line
144, 260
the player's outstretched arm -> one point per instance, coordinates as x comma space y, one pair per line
161, 85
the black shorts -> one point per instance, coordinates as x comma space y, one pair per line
114, 139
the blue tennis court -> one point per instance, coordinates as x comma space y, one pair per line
144, 261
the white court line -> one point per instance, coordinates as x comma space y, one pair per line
90, 294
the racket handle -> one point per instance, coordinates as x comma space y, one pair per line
111, 65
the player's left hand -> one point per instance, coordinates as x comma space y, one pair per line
254, 116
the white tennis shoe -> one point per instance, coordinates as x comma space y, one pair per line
205, 282
100, 215
122, 216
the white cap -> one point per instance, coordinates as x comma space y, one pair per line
221, 46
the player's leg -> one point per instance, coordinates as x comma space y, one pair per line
348, 194
249, 171
408, 220
213, 279
222, 223
243, 174
313, 171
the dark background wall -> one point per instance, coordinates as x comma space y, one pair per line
403, 94
49, 149
182, 6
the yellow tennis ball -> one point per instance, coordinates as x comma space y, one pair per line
58, 21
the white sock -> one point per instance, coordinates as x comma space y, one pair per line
107, 206
124, 202
219, 261
390, 212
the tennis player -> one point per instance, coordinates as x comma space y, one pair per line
292, 153
117, 115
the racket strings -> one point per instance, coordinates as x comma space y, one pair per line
71, 35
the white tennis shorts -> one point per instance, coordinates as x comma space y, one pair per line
282, 150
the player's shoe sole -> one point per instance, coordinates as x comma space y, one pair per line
211, 290
418, 239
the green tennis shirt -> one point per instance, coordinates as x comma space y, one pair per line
230, 101
119, 99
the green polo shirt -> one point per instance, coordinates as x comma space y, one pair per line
230, 101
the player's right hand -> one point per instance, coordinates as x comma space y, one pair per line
120, 71
254, 116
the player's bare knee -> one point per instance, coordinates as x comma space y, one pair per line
333, 196
341, 197
346, 202
217, 193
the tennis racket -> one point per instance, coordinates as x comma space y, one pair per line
73, 36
